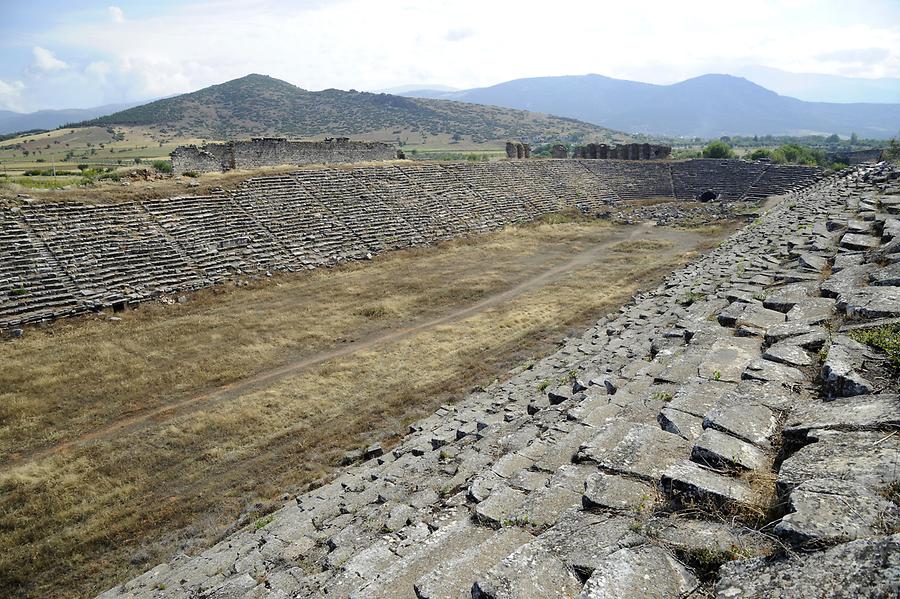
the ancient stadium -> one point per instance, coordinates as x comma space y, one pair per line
708, 435
449, 300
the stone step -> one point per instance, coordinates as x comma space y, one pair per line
688, 481
454, 577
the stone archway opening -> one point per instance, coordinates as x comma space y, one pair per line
708, 196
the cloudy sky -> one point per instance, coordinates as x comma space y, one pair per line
64, 54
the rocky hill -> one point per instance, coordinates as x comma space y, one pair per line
706, 106
257, 105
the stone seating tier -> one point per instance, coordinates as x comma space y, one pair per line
62, 259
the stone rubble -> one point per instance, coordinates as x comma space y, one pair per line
688, 448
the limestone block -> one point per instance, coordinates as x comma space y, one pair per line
829, 511
867, 569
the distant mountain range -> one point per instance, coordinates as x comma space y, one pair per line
12, 122
814, 87
258, 105
705, 106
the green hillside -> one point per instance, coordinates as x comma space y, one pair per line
258, 105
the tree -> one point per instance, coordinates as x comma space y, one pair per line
892, 152
854, 139
833, 138
718, 149
761, 153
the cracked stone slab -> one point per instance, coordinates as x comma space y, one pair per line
846, 280
869, 458
680, 423
640, 450
608, 491
718, 450
846, 260
697, 396
765, 370
865, 569
784, 298
510, 464
544, 506
646, 571
786, 352
454, 538
871, 302
813, 262
753, 422
726, 359
752, 318
840, 372
546, 566
889, 275
682, 368
813, 310
501, 505
828, 510
527, 576
860, 242
859, 226
685, 478
794, 329
857, 413
454, 578
690, 535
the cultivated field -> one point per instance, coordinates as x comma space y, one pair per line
126, 439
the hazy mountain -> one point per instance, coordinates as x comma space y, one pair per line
402, 89
11, 122
259, 105
706, 106
814, 87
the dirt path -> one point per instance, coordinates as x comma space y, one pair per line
160, 415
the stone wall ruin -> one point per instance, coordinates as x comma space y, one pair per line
517, 149
275, 151
559, 151
633, 151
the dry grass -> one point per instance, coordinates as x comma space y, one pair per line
94, 510
111, 192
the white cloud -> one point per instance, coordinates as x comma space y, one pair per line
459, 34
461, 43
116, 13
11, 95
44, 60
99, 69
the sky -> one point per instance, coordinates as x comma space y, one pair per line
65, 54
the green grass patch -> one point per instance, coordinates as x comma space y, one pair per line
885, 338
49, 183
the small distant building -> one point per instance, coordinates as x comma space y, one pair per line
274, 151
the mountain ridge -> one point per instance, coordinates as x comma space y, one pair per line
259, 105
13, 122
707, 106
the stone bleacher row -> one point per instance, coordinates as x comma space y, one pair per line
62, 259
